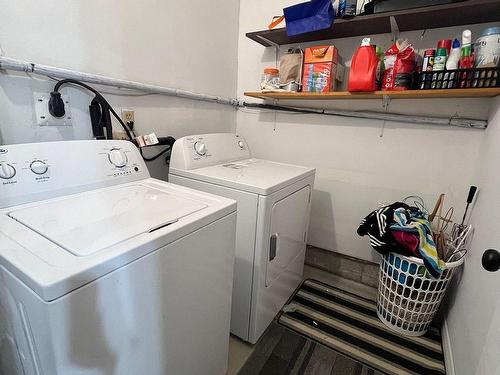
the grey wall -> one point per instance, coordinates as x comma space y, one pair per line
190, 45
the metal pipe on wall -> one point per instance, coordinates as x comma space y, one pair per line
50, 71
45, 70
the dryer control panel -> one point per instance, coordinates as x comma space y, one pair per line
204, 150
35, 171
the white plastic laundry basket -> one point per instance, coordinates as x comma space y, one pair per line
408, 296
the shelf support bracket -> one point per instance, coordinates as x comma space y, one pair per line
394, 28
386, 101
271, 44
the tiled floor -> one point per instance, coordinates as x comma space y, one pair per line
240, 351
342, 265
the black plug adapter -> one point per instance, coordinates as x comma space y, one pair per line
56, 104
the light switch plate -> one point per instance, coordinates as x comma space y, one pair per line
44, 118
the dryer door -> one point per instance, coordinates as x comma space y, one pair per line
289, 220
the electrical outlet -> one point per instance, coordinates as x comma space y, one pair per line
43, 116
128, 115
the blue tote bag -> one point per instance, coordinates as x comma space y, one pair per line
310, 16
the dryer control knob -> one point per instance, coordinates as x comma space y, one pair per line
200, 148
7, 171
241, 144
38, 167
117, 158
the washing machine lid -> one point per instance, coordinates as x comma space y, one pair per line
86, 223
258, 176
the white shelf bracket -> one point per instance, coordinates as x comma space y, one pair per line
386, 101
394, 28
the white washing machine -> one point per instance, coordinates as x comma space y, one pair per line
274, 201
104, 270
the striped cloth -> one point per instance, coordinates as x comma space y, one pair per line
377, 227
349, 324
380, 224
418, 223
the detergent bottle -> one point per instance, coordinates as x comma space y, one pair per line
362, 76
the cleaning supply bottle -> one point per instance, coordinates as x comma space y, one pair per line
452, 61
347, 8
466, 58
362, 76
439, 60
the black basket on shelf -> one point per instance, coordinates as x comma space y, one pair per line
459, 79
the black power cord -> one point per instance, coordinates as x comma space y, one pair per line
99, 113
56, 104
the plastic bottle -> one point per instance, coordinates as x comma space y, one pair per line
270, 80
466, 59
439, 60
362, 76
487, 48
445, 43
347, 8
452, 61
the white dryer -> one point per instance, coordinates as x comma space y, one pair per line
104, 270
274, 201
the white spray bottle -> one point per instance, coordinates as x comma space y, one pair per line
454, 58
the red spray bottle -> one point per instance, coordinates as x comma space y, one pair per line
362, 76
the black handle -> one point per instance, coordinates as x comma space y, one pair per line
470, 198
472, 192
491, 260
273, 246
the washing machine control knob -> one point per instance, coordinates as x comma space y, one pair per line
200, 148
117, 158
241, 144
39, 167
7, 171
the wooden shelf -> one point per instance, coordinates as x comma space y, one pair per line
455, 14
408, 94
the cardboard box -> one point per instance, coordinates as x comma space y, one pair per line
322, 69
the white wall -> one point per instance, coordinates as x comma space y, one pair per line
186, 44
474, 309
356, 167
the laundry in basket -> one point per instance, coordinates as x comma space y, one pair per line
404, 229
412, 278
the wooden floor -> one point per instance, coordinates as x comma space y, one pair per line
284, 352
240, 352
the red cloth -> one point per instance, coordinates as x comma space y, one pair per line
408, 240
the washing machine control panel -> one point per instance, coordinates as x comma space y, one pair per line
118, 157
7, 171
39, 167
200, 148
36, 170
204, 150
